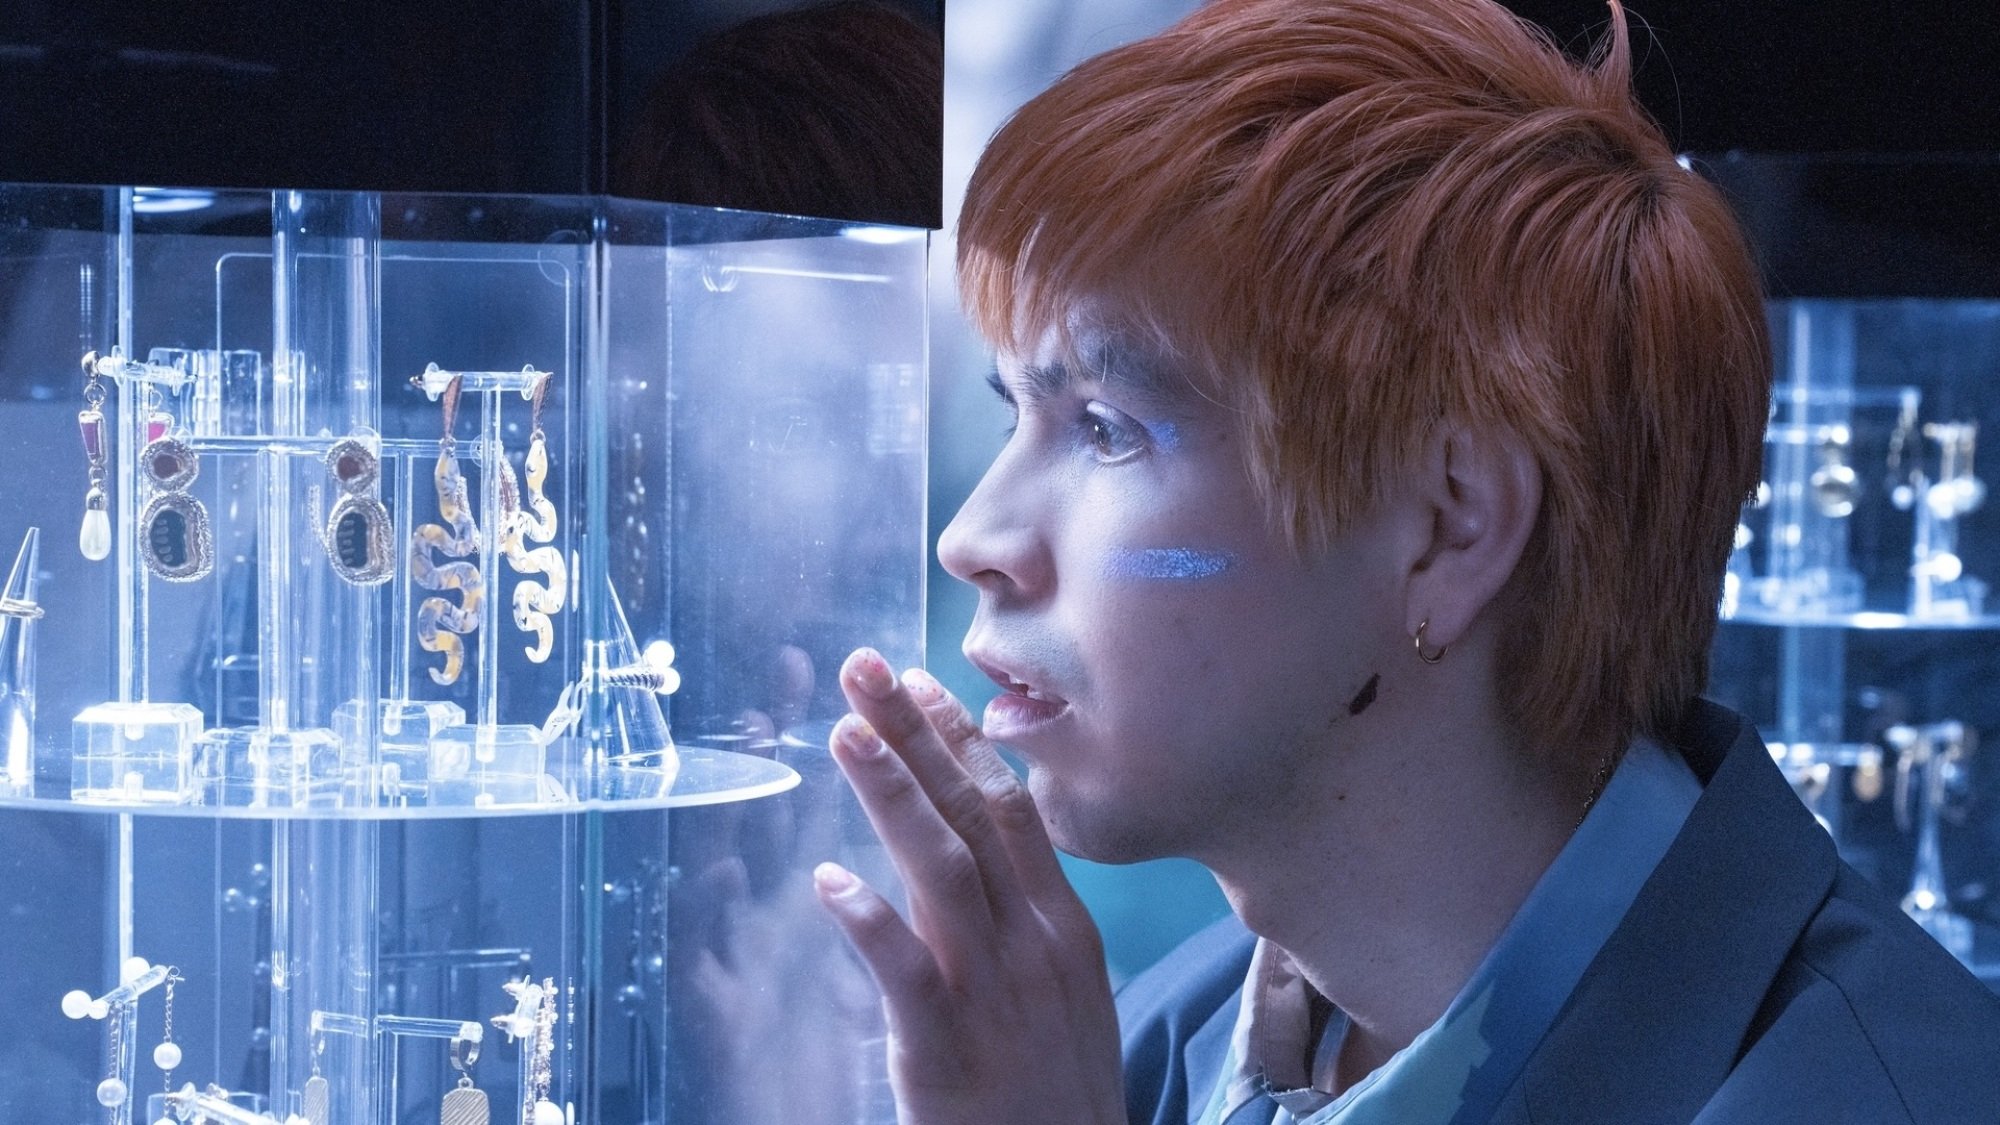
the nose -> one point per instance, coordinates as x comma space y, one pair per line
996, 541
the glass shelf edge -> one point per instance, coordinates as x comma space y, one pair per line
1865, 620
763, 778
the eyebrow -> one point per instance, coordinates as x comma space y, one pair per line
1114, 367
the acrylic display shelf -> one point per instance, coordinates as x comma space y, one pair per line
705, 777
1873, 620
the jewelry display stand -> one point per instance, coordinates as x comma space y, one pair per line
1857, 550
453, 574
18, 613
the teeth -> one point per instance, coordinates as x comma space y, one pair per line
1037, 696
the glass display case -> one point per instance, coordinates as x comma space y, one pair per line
416, 670
1860, 622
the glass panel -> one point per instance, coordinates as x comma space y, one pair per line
443, 718
1859, 624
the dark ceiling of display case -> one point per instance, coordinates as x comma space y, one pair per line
545, 96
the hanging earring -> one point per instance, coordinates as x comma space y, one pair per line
94, 537
167, 1055
174, 539
534, 602
112, 1092
461, 540
316, 1098
541, 1072
466, 1104
358, 531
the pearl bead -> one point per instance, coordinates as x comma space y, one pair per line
110, 1092
76, 1005
547, 1113
94, 538
167, 1055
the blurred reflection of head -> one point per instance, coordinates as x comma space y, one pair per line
833, 111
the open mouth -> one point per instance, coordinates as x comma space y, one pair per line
1020, 708
1016, 687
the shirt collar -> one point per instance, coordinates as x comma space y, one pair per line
1458, 1068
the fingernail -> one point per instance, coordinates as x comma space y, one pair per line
923, 686
872, 675
859, 738
835, 879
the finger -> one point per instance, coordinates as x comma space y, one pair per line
888, 707
899, 961
948, 902
722, 888
1009, 804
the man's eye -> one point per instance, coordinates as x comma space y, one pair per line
1007, 397
1114, 436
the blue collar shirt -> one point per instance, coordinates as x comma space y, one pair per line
1456, 1070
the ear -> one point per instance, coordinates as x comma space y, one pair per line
1483, 489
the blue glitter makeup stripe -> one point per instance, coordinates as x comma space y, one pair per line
1169, 564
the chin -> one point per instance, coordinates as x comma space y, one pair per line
1098, 829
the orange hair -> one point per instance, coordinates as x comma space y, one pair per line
1358, 219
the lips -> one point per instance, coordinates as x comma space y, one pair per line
1023, 706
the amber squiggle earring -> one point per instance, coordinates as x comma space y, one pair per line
534, 602
440, 623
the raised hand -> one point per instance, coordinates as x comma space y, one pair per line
998, 1005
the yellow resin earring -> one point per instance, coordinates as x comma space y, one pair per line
439, 622
534, 602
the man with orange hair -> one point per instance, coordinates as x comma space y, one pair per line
1385, 395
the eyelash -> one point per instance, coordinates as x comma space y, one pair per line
1099, 425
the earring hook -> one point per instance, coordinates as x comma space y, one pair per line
539, 396
450, 400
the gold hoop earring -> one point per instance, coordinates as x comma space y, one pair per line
1426, 657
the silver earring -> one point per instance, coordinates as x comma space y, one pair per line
316, 1099
358, 532
1428, 657
174, 537
466, 1104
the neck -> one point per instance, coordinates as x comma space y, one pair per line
1389, 876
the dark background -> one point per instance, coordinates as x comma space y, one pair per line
1896, 102
534, 96
550, 95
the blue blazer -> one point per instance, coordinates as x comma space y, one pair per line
1756, 979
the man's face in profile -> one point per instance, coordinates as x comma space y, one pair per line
1169, 662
